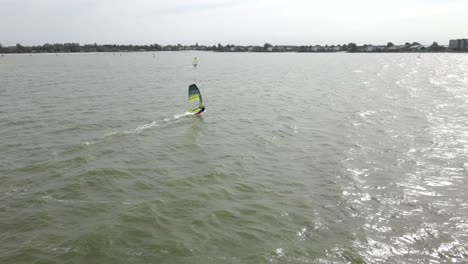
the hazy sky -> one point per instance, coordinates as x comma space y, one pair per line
32, 22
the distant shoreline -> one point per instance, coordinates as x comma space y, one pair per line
273, 52
414, 47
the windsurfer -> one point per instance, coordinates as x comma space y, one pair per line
201, 110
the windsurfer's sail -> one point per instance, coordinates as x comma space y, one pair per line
195, 61
195, 100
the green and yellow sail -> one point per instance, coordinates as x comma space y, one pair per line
194, 99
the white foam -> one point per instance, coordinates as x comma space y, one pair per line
141, 128
301, 233
279, 252
365, 197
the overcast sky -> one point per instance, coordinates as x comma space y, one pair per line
33, 22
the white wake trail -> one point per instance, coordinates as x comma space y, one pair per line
141, 128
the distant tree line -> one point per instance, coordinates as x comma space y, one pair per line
76, 47
267, 47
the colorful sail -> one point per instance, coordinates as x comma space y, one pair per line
195, 62
194, 99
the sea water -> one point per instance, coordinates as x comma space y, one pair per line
299, 158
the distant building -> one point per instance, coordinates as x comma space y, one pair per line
284, 48
336, 48
395, 48
317, 48
461, 44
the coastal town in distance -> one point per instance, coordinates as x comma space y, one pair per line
454, 45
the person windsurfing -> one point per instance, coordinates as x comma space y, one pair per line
201, 110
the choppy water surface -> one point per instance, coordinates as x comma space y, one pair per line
300, 158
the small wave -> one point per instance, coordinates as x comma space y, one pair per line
52, 198
88, 143
366, 113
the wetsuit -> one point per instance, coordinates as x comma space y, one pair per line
201, 110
